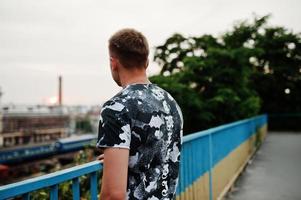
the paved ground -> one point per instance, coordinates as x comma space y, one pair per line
275, 171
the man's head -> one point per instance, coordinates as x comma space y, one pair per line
129, 51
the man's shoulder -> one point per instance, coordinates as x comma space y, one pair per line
139, 94
114, 104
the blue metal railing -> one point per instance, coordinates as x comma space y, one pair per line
53, 180
201, 151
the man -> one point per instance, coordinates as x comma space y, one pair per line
140, 128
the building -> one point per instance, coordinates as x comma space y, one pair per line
84, 119
32, 124
1, 137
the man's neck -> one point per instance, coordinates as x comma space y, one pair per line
136, 80
134, 77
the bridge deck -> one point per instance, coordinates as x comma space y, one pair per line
275, 172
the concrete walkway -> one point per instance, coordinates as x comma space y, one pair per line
274, 172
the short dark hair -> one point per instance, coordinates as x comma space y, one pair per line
130, 47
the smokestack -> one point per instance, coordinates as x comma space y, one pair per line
60, 91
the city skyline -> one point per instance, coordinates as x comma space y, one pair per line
42, 40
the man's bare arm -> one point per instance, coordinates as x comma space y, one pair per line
115, 171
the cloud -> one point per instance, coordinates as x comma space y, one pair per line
41, 39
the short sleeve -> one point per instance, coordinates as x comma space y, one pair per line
114, 128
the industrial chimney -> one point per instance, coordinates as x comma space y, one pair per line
60, 91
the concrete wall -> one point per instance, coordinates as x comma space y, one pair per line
212, 159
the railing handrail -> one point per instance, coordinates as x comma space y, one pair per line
209, 131
202, 151
48, 180
53, 179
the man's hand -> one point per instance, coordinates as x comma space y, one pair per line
100, 158
115, 171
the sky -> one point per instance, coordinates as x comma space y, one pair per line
42, 39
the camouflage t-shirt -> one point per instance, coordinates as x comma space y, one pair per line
145, 119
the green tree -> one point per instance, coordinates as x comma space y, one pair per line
212, 80
222, 79
276, 63
83, 125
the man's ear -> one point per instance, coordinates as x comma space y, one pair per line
146, 64
114, 63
